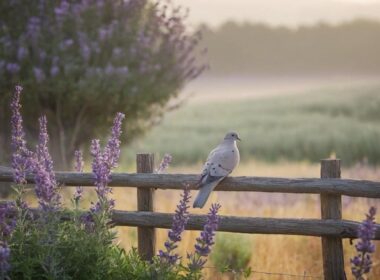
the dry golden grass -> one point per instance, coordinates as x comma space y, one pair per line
270, 253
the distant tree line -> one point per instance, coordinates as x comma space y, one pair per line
348, 48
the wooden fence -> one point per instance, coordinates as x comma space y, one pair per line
331, 228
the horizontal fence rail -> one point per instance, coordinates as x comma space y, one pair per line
348, 187
308, 227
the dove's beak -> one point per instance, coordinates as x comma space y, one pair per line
238, 139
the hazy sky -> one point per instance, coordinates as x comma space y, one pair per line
280, 12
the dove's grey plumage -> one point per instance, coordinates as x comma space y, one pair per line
220, 163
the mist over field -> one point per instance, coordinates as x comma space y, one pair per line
293, 94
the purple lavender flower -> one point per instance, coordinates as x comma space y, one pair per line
122, 71
42, 147
21, 156
166, 160
33, 27
54, 71
180, 220
8, 215
7, 219
66, 44
85, 52
79, 168
61, 10
205, 241
22, 52
103, 162
361, 264
112, 150
13, 68
4, 259
39, 74
46, 185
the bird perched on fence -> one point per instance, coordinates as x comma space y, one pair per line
220, 163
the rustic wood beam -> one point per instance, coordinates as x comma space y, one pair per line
355, 188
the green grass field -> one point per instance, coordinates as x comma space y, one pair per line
304, 126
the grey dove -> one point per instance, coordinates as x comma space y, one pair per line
220, 163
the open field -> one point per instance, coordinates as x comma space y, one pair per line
302, 124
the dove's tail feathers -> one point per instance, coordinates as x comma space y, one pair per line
204, 193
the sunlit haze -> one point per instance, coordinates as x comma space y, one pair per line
284, 12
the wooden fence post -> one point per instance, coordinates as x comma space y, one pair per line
331, 208
145, 235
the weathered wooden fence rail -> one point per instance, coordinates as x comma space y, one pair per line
348, 187
331, 228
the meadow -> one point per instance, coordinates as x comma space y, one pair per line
301, 126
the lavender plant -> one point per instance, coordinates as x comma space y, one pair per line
164, 164
362, 262
46, 187
204, 242
180, 219
7, 226
88, 59
102, 164
21, 155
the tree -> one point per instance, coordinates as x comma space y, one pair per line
81, 61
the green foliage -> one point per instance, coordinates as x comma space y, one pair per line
60, 247
82, 61
307, 126
232, 253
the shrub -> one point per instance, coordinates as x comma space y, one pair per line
85, 60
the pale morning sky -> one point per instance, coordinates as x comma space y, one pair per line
280, 12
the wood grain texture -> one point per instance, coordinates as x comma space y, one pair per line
146, 236
331, 208
308, 227
355, 188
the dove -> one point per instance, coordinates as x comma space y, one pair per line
220, 163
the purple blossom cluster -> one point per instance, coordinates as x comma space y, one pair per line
4, 259
38, 163
7, 225
102, 164
46, 185
361, 264
165, 162
205, 241
79, 164
134, 46
7, 219
21, 155
180, 220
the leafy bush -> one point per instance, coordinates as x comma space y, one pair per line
232, 253
85, 60
56, 243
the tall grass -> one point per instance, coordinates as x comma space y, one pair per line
308, 127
